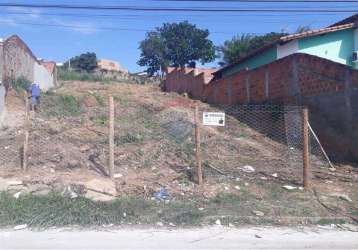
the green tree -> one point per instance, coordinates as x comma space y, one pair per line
241, 46
84, 62
175, 44
152, 55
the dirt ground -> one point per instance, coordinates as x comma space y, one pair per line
155, 150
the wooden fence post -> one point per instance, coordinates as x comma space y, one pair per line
26, 134
197, 146
111, 136
306, 151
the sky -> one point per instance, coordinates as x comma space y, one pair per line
55, 34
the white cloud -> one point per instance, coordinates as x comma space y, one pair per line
86, 28
24, 13
17, 16
8, 21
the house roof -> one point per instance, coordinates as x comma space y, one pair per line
288, 38
50, 66
317, 32
351, 19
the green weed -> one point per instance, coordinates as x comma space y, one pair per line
20, 84
329, 221
128, 138
60, 105
100, 120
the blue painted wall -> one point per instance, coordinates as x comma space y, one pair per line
263, 58
335, 46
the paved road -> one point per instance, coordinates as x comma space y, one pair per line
207, 238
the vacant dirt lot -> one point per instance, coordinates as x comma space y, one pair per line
155, 150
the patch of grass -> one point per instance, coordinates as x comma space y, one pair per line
100, 120
66, 75
354, 212
181, 213
20, 84
227, 199
60, 105
56, 210
328, 221
128, 138
100, 100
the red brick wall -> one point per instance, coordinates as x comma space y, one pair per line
315, 76
329, 89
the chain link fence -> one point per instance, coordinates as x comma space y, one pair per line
11, 149
245, 162
154, 146
261, 139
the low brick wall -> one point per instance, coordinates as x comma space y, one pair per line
188, 80
329, 89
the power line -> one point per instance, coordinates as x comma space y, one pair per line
145, 17
265, 1
111, 28
150, 16
167, 9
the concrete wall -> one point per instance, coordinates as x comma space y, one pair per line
329, 89
18, 60
2, 102
43, 77
1, 61
287, 49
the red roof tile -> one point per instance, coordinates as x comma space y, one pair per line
50, 66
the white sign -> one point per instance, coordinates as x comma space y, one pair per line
214, 119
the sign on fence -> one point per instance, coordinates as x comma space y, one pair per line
214, 119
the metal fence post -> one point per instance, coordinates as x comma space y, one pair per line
111, 136
197, 146
306, 151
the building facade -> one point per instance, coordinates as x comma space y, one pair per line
109, 65
336, 43
316, 69
18, 61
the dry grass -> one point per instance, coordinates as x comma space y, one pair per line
154, 140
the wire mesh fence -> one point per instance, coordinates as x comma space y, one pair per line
255, 139
264, 139
154, 146
69, 141
245, 162
11, 149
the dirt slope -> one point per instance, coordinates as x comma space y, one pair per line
155, 149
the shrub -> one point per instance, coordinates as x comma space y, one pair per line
67, 75
21, 83
61, 105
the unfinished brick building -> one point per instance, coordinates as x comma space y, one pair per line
322, 77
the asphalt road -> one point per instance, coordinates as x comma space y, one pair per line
205, 238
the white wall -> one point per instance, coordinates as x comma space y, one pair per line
43, 77
287, 49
